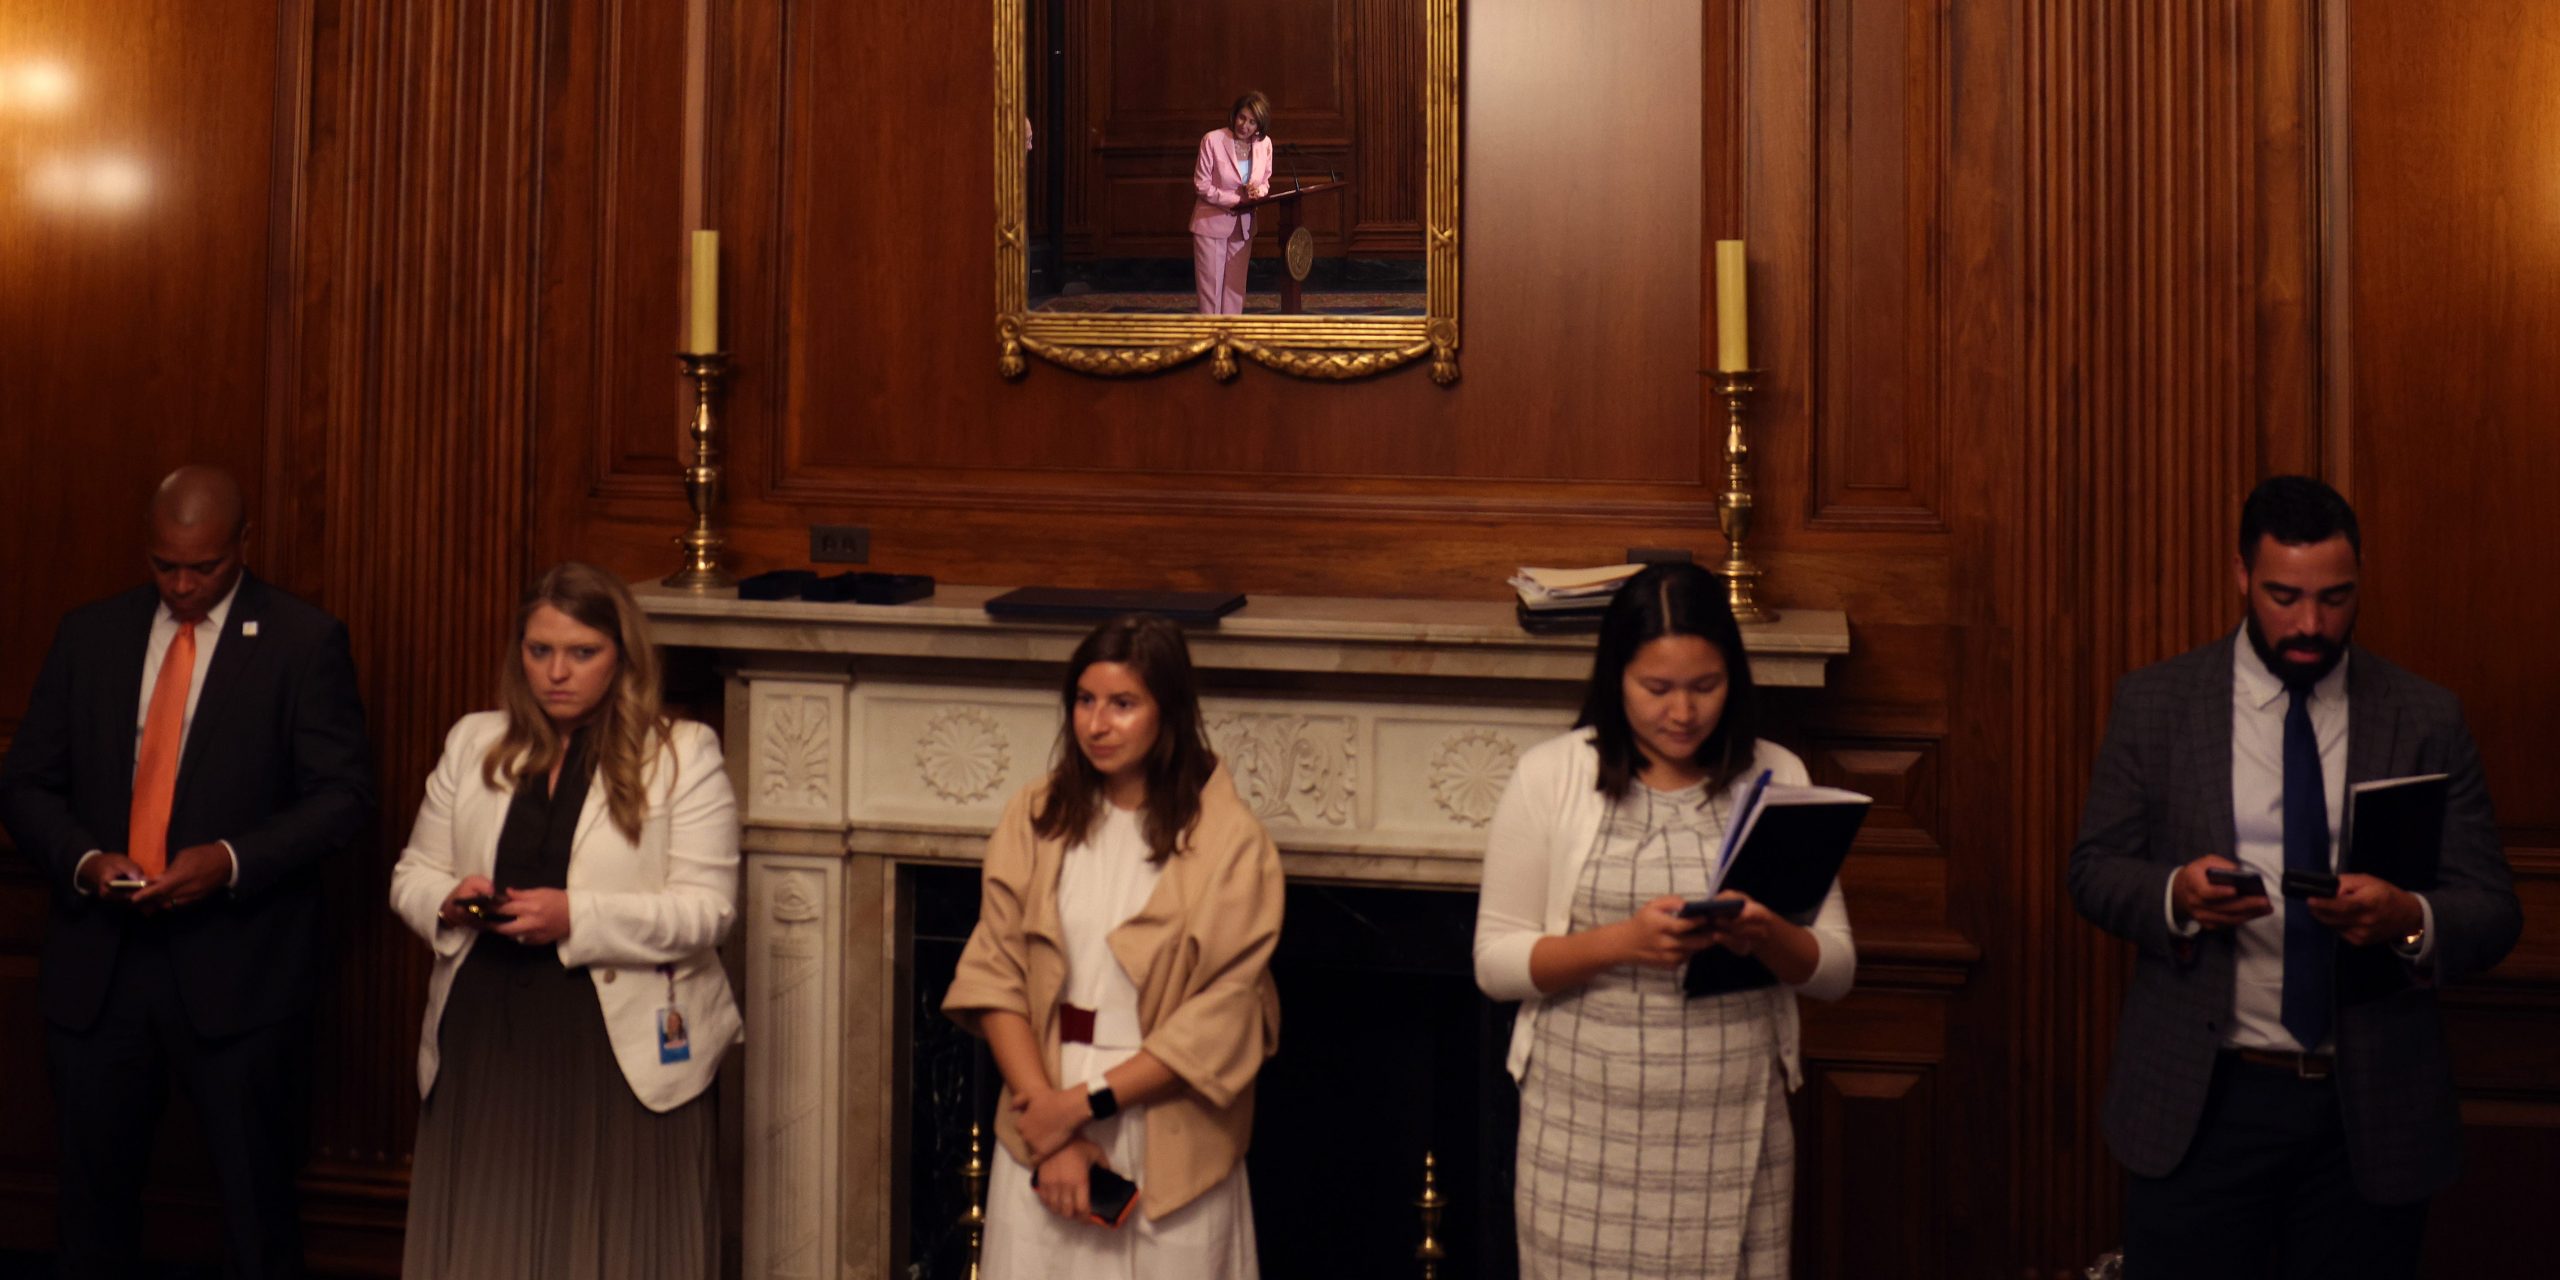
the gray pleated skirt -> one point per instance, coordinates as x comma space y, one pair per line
534, 1160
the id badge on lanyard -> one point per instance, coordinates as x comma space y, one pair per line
675, 1041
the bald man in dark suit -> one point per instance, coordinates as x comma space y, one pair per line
193, 751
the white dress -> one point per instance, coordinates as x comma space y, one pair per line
1102, 883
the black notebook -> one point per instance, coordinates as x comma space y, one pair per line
2395, 829
1077, 604
1783, 846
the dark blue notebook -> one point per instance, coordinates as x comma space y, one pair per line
1787, 844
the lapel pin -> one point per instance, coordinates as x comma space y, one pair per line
249, 628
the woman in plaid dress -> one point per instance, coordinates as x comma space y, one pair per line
1654, 1138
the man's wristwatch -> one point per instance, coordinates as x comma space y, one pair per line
1101, 1100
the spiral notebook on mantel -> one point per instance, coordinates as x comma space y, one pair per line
1783, 846
1081, 604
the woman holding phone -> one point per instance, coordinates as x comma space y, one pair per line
1119, 973
1654, 1138
574, 867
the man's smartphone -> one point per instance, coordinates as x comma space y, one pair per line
2302, 883
1718, 909
124, 884
2249, 883
484, 909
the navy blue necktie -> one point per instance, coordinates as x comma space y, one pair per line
2310, 953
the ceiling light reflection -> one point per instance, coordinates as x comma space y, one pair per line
37, 86
102, 182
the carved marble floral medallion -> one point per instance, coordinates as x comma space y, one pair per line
1468, 772
963, 755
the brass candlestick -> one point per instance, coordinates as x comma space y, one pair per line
973, 1176
1733, 506
1430, 1253
703, 543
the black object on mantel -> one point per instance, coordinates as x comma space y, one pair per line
871, 588
780, 584
1080, 604
1561, 622
857, 588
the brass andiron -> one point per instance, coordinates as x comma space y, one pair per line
973, 1177
1430, 1253
1733, 506
703, 543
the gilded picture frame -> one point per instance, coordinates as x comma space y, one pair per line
1307, 346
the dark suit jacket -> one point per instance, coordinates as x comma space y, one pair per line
275, 763
2162, 797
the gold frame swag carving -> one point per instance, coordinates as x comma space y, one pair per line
1335, 348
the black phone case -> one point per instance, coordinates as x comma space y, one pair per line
2299, 883
1113, 1196
2247, 882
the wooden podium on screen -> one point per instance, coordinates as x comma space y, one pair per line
1300, 255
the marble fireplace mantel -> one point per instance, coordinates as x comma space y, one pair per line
1373, 736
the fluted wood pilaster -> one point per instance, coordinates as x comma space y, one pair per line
416, 271
2140, 136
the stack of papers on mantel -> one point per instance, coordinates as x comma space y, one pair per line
1545, 589
1565, 600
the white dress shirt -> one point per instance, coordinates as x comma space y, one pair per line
164, 633
2258, 706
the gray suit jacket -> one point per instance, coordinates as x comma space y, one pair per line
2161, 797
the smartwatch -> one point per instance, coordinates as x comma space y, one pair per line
1098, 1096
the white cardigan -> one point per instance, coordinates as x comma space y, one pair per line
1543, 832
669, 899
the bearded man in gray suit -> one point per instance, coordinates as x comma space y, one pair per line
2281, 1096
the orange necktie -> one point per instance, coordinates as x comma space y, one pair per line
155, 770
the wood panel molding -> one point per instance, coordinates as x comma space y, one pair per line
611, 231
2141, 382
417, 292
1878, 148
1904, 776
1865, 1190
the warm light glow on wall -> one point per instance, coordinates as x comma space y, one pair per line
36, 86
105, 182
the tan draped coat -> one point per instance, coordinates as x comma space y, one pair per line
1199, 952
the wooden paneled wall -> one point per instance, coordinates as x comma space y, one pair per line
2444, 361
136, 150
2040, 286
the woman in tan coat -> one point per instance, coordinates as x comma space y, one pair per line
1120, 975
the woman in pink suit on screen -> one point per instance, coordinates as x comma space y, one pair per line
1234, 165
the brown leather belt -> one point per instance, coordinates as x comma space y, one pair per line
1075, 1025
2308, 1066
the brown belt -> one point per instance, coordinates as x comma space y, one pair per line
2308, 1066
1075, 1025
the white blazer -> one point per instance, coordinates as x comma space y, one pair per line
669, 899
1541, 835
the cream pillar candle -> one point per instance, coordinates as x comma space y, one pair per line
702, 309
1733, 343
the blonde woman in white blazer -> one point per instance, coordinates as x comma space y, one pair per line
574, 868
